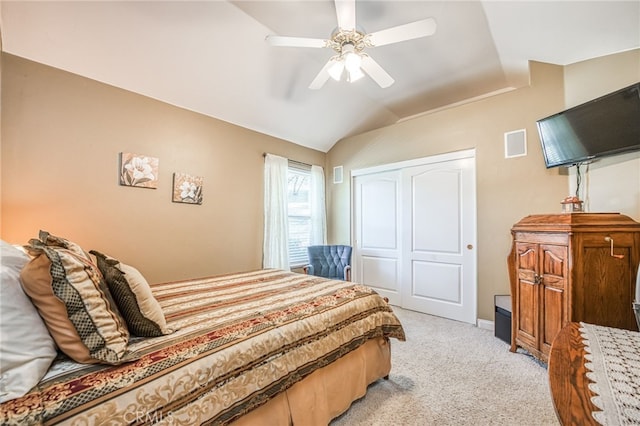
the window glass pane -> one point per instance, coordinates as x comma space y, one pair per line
299, 210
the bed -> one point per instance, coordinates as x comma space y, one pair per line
265, 347
594, 375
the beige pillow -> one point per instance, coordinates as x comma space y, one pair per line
52, 240
26, 347
75, 303
133, 296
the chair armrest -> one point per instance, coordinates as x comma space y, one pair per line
347, 273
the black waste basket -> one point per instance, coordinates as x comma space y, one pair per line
503, 317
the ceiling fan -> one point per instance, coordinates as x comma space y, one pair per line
350, 43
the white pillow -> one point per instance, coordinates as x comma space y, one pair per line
26, 347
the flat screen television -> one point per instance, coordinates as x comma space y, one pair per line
604, 126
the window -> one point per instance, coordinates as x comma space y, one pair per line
299, 212
294, 212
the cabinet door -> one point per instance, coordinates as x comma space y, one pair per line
553, 278
526, 308
604, 285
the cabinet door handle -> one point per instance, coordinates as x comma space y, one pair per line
537, 279
617, 256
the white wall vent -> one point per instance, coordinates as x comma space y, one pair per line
515, 143
337, 174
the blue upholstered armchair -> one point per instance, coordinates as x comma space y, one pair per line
332, 262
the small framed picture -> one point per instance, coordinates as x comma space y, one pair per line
138, 170
187, 188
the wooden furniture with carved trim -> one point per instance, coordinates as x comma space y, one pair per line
571, 267
568, 380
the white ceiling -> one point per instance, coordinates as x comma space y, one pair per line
211, 57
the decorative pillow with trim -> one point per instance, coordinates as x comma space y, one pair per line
52, 240
133, 296
70, 294
26, 347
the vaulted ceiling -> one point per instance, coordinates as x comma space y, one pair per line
211, 56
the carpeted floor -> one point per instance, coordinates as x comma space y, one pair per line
452, 373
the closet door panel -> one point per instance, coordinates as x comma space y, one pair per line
377, 225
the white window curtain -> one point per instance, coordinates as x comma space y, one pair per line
318, 210
276, 233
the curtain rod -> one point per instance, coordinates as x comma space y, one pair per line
264, 154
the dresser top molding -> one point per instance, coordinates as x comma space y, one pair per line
583, 222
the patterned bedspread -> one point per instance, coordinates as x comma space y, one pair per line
240, 339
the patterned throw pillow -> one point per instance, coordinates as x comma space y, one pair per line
52, 240
133, 296
70, 294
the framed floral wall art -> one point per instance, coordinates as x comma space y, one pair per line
187, 188
138, 170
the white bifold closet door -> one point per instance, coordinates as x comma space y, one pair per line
415, 234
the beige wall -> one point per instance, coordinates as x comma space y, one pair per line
61, 135
507, 189
612, 183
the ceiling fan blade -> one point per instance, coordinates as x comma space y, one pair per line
282, 41
322, 76
376, 72
346, 11
423, 28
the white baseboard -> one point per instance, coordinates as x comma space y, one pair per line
486, 324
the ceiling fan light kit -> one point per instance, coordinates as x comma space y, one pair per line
348, 59
350, 45
335, 70
354, 72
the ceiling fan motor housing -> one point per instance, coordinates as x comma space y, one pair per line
358, 40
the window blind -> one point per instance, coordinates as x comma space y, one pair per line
299, 212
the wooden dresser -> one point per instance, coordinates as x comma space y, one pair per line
562, 269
